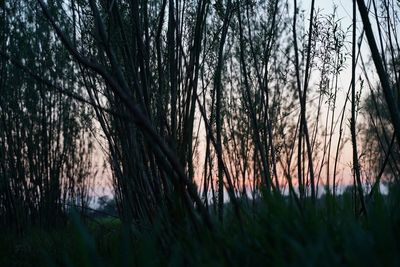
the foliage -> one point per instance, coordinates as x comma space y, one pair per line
275, 233
206, 114
45, 140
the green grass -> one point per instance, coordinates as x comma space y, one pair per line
277, 234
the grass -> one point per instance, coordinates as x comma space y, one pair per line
277, 234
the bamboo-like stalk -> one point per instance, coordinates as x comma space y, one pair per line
356, 164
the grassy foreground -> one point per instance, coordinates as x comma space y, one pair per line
276, 234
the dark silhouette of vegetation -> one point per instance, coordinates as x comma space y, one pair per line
222, 123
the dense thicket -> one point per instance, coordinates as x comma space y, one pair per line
194, 103
45, 143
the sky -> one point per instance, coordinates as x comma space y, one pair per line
344, 11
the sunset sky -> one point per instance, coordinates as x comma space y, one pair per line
344, 10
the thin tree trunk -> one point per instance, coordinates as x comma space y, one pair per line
356, 164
